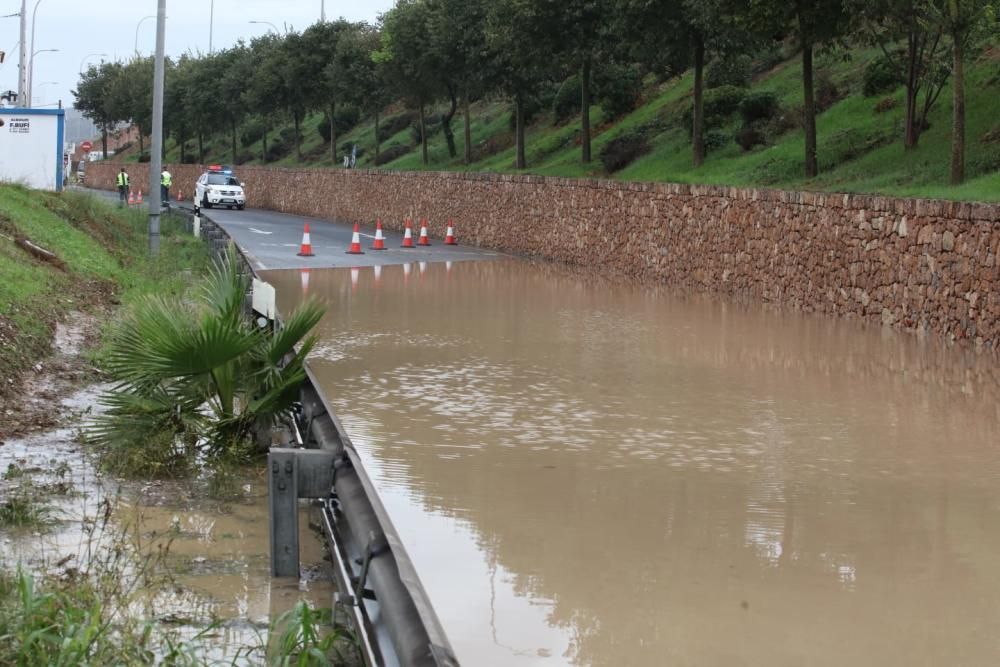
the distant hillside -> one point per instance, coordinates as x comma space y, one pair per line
860, 137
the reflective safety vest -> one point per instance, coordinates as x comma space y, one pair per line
122, 179
166, 179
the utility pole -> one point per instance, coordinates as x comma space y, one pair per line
156, 154
22, 74
322, 10
211, 23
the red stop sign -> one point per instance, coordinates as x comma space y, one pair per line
86, 146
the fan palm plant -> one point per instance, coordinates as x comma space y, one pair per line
201, 372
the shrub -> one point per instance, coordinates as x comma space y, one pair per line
885, 104
390, 127
827, 92
622, 151
881, 76
759, 106
715, 140
190, 159
748, 137
729, 70
392, 153
720, 106
145, 157
618, 89
767, 58
253, 131
345, 120
567, 99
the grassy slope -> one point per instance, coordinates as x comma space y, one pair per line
105, 254
859, 150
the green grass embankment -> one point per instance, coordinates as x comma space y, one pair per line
103, 250
860, 146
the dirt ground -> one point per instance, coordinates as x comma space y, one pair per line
33, 404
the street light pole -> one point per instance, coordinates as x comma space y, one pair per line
211, 21
22, 75
137, 32
89, 55
274, 27
322, 10
31, 70
156, 151
31, 65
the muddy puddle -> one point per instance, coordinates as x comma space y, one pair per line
591, 474
216, 572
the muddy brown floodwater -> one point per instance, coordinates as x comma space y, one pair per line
592, 474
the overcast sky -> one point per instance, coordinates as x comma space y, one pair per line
79, 28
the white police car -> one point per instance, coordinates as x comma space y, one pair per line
219, 187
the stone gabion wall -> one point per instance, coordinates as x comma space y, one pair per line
921, 265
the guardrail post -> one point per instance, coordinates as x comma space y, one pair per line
283, 496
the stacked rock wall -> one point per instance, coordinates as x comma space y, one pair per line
922, 265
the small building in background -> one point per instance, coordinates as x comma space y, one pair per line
31, 147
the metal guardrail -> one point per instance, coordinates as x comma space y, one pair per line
377, 583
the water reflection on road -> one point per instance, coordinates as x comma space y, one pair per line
594, 474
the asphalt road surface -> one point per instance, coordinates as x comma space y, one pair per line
272, 241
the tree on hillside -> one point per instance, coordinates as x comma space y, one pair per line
234, 67
262, 95
319, 43
966, 22
357, 73
93, 98
296, 82
813, 23
458, 35
672, 36
131, 97
579, 30
519, 62
407, 58
922, 63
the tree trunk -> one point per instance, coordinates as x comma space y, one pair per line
423, 134
233, 126
446, 122
104, 142
377, 142
183, 153
263, 152
958, 113
910, 133
520, 162
298, 143
333, 132
141, 147
698, 114
585, 109
201, 147
809, 110
468, 127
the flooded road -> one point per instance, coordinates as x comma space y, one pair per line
591, 474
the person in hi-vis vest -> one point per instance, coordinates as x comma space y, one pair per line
123, 185
166, 180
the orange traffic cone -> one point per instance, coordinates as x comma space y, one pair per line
379, 243
449, 237
305, 282
307, 249
131, 198
423, 234
138, 200
408, 235
355, 248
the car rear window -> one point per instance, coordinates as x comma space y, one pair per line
222, 179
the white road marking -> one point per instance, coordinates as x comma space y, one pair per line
257, 231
